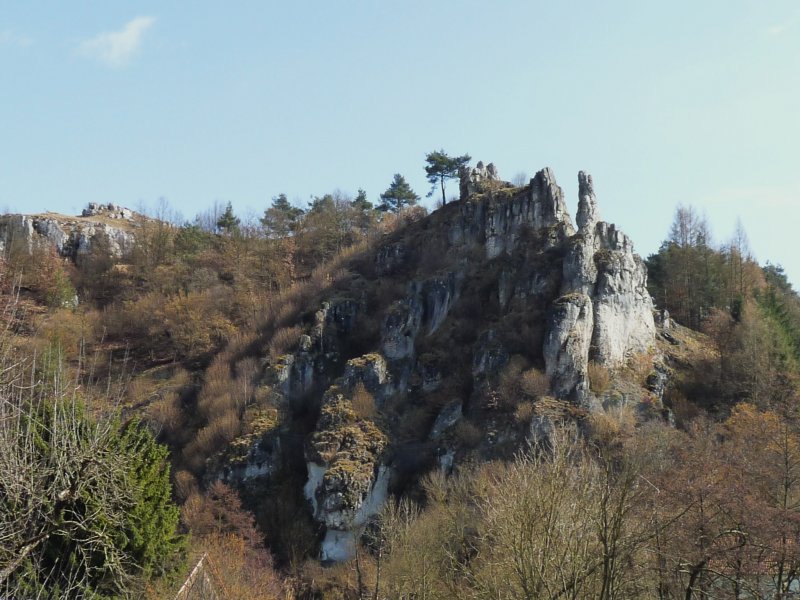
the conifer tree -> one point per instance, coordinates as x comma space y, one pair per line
228, 222
442, 167
398, 195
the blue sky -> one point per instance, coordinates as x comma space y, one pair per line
663, 102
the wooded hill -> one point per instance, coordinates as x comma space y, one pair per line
678, 477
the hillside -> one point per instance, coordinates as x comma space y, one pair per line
313, 377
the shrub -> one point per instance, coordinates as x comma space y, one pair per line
599, 377
284, 340
363, 402
466, 434
524, 412
185, 485
211, 440
610, 427
534, 384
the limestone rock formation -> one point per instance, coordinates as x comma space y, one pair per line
74, 236
112, 211
475, 179
347, 482
513, 282
497, 222
605, 309
567, 345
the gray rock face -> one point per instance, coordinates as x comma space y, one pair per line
69, 236
119, 242
605, 305
473, 180
294, 375
112, 211
589, 284
566, 347
499, 223
400, 328
587, 203
343, 524
347, 480
389, 257
371, 371
262, 460
623, 307
438, 296
448, 416
489, 355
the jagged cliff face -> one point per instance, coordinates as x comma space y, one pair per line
499, 278
110, 225
605, 310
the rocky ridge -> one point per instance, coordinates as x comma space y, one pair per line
72, 237
500, 278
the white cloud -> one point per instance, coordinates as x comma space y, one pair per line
10, 38
116, 48
784, 25
778, 29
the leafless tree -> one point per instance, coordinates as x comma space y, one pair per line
61, 480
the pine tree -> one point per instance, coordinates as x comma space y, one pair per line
228, 222
282, 218
361, 203
442, 167
398, 195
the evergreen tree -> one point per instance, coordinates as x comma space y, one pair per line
361, 203
151, 533
282, 218
228, 222
398, 195
442, 167
97, 519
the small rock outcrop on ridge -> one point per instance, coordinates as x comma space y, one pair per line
71, 237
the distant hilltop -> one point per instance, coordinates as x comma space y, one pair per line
72, 236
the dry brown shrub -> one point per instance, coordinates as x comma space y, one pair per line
210, 440
524, 412
247, 370
612, 426
641, 365
226, 533
337, 582
242, 572
68, 330
683, 410
599, 377
284, 340
510, 390
213, 406
363, 402
218, 378
167, 414
534, 384
466, 434
185, 485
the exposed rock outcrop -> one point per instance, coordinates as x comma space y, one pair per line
475, 179
553, 296
566, 346
112, 211
498, 221
605, 313
347, 482
74, 236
